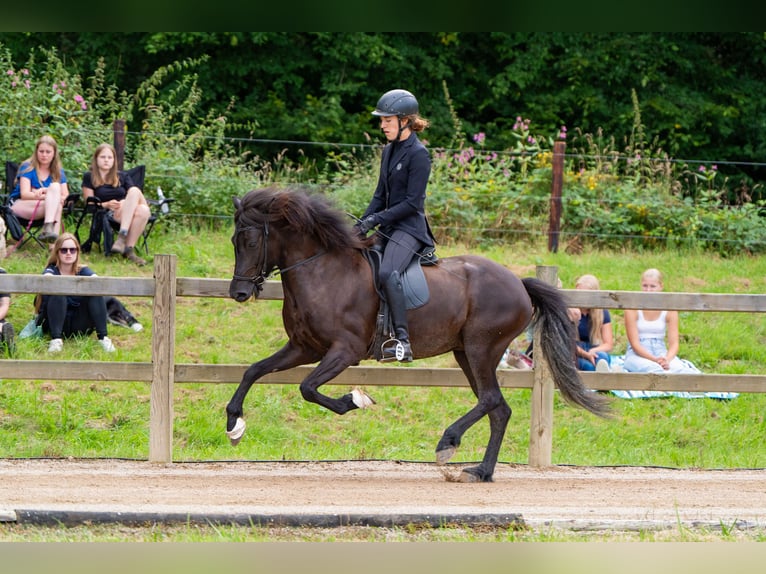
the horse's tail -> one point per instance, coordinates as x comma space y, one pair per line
557, 338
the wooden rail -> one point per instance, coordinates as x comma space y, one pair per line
163, 372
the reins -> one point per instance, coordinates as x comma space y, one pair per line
301, 262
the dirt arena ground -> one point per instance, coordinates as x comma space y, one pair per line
379, 492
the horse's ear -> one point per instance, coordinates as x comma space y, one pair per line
237, 202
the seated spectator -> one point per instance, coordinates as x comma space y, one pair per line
594, 331
7, 334
71, 315
41, 188
647, 332
119, 195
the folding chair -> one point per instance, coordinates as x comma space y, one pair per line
24, 230
103, 226
21, 230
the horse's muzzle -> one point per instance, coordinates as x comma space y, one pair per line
241, 291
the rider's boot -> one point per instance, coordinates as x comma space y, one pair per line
399, 348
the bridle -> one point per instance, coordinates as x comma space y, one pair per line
259, 279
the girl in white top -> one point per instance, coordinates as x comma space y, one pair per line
647, 331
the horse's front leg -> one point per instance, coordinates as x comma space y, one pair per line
287, 357
332, 364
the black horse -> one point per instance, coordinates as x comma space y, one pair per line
476, 308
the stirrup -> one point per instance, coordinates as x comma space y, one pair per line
395, 351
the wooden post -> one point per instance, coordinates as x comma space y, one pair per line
163, 351
118, 127
541, 423
557, 187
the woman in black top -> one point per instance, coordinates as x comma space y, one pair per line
118, 194
70, 315
398, 205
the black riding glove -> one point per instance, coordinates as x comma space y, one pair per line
368, 223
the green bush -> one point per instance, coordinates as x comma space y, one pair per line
627, 195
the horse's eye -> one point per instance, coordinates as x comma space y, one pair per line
253, 243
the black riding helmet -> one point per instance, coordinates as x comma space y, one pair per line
396, 103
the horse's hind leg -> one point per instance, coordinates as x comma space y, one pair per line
493, 404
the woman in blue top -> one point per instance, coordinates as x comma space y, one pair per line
41, 188
594, 330
398, 206
70, 315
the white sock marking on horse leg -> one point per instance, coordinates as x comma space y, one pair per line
239, 429
361, 399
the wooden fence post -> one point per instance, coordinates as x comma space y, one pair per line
118, 127
541, 423
557, 188
163, 357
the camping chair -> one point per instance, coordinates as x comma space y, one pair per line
24, 230
103, 226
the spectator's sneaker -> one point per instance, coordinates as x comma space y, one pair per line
602, 366
106, 344
56, 346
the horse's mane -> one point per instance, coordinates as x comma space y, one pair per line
305, 213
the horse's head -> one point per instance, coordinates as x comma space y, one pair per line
273, 226
251, 257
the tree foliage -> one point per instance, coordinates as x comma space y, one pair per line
701, 94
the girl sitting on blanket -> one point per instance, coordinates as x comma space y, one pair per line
647, 332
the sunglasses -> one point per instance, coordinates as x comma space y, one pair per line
67, 249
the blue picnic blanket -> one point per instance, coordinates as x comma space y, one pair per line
616, 363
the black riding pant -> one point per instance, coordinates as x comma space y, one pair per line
62, 320
398, 251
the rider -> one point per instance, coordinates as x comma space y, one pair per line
398, 206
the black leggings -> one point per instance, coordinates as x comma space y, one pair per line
397, 254
64, 321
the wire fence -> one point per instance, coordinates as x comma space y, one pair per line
464, 193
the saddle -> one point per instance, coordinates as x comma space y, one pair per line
415, 288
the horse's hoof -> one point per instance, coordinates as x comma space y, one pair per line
361, 399
443, 456
235, 434
474, 474
468, 477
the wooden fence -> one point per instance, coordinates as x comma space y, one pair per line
163, 372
